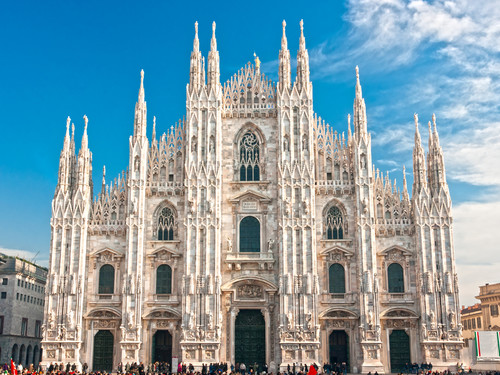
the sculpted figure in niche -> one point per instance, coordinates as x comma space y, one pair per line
54, 284
431, 319
71, 319
452, 320
130, 320
137, 164
304, 143
289, 321
193, 144
229, 244
52, 320
370, 319
270, 244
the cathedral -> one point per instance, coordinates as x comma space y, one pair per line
252, 232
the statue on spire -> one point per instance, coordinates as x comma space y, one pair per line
257, 61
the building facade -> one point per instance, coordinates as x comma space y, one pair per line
22, 297
482, 316
252, 232
472, 320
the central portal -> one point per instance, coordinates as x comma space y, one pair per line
162, 347
250, 338
339, 349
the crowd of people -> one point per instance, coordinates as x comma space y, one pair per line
164, 368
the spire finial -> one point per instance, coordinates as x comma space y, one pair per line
302, 38
213, 43
141, 88
68, 121
359, 93
196, 43
154, 128
86, 119
434, 122
415, 117
284, 42
103, 187
73, 131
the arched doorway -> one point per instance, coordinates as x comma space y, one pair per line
36, 357
22, 353
162, 346
339, 348
103, 351
29, 358
250, 338
14, 353
399, 346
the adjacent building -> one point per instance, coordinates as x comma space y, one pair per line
472, 320
252, 232
22, 300
482, 316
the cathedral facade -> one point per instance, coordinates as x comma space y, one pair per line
252, 232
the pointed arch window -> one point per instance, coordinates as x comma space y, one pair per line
250, 235
395, 278
107, 279
249, 148
334, 224
336, 278
164, 279
166, 223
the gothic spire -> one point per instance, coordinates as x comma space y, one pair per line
196, 42
302, 60
435, 160
153, 136
85, 159
419, 170
85, 139
349, 132
195, 71
359, 108
141, 96
140, 111
66, 137
213, 61
284, 62
103, 186
66, 160
405, 186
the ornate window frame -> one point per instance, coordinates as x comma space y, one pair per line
402, 256
342, 256
345, 225
156, 217
100, 258
164, 256
261, 139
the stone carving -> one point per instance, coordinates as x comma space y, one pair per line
452, 320
250, 291
270, 244
52, 319
71, 319
130, 320
229, 244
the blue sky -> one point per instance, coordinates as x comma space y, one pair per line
69, 58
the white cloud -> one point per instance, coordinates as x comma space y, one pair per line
476, 246
38, 258
473, 155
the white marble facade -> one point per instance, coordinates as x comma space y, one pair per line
321, 208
